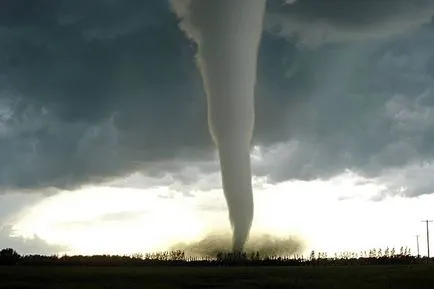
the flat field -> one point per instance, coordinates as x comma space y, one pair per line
345, 277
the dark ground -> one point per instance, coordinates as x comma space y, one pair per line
346, 277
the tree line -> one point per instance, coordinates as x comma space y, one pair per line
177, 257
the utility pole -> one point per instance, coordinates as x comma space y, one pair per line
427, 234
417, 242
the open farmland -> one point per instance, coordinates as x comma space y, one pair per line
346, 277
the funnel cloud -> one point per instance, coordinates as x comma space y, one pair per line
228, 33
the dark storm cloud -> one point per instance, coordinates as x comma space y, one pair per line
317, 21
90, 91
350, 13
93, 90
368, 107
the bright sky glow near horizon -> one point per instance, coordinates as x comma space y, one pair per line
330, 216
104, 141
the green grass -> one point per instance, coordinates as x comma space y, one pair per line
345, 277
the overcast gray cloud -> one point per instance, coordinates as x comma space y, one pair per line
94, 91
10, 204
27, 246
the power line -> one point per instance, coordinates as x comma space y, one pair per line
427, 234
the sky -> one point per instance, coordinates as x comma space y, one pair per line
105, 146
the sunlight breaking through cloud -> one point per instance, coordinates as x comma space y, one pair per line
328, 215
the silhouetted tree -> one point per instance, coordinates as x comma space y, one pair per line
401, 251
9, 257
379, 253
387, 252
312, 255
177, 257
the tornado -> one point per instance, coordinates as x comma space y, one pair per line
228, 33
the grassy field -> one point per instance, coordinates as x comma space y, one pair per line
346, 277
